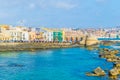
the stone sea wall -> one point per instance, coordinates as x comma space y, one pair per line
88, 41
31, 46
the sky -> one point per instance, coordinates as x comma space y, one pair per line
60, 13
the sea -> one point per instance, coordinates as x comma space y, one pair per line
52, 64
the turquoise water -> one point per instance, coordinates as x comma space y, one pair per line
51, 64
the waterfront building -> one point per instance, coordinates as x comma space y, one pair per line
32, 36
48, 36
39, 34
63, 34
4, 33
25, 36
58, 36
4, 37
18, 34
73, 35
4, 27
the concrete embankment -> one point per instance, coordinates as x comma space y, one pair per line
31, 46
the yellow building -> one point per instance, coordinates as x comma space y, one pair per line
32, 36
63, 34
4, 27
4, 33
9, 33
39, 36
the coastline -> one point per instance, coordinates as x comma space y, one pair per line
32, 46
18, 46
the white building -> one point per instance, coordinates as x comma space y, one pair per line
17, 34
48, 36
25, 36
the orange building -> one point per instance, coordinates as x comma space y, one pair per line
32, 36
39, 36
72, 36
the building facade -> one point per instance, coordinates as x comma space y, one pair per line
48, 36
58, 36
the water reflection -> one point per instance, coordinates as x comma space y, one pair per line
46, 53
15, 54
9, 54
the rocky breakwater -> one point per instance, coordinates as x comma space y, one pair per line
31, 46
89, 40
110, 56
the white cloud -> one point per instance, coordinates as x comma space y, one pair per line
65, 5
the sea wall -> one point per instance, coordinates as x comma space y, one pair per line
31, 46
88, 41
91, 41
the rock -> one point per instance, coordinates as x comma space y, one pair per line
99, 71
114, 52
105, 49
117, 64
113, 59
107, 55
113, 73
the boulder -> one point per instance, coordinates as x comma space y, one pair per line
114, 52
113, 59
105, 49
107, 55
117, 64
113, 73
99, 71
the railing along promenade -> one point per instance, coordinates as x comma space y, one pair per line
109, 39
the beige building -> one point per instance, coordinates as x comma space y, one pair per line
9, 33
4, 33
